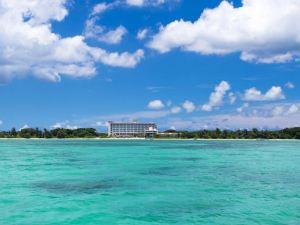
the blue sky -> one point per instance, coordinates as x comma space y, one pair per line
183, 64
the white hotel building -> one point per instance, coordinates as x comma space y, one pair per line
134, 129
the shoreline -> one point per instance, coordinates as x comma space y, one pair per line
145, 139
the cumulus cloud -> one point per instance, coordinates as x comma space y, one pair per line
24, 127
175, 109
216, 98
262, 31
29, 46
124, 59
289, 85
100, 33
232, 98
100, 8
189, 106
135, 2
293, 109
65, 124
253, 94
156, 105
228, 121
92, 29
141, 34
285, 110
266, 116
273, 110
269, 109
113, 36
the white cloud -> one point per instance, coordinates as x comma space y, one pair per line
264, 117
100, 8
24, 127
124, 59
113, 36
156, 104
285, 110
92, 29
242, 108
262, 31
277, 111
280, 58
65, 124
270, 109
289, 85
29, 46
140, 3
293, 109
1, 122
141, 35
173, 128
135, 2
101, 124
275, 93
100, 33
216, 98
232, 98
189, 106
175, 109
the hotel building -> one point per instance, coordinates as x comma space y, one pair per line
134, 129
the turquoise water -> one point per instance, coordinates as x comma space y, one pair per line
149, 182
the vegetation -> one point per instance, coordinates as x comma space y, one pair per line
55, 133
289, 133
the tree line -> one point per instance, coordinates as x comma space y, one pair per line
289, 133
55, 133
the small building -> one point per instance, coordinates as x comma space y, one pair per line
131, 129
169, 135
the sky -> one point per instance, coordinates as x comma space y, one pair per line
184, 64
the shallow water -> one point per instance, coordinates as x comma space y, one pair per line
149, 182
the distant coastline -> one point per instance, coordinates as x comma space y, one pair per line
93, 134
141, 139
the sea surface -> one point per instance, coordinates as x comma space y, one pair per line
72, 182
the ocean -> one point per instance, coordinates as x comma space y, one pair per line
142, 182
